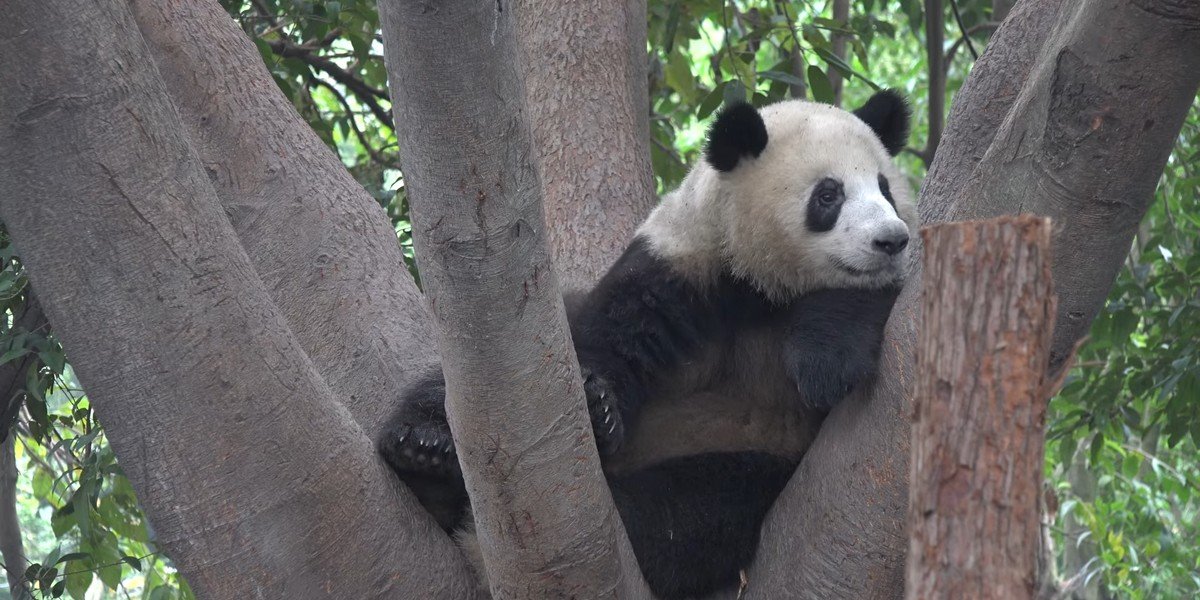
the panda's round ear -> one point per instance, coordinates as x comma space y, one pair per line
888, 115
738, 131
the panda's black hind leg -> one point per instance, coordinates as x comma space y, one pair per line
694, 521
416, 443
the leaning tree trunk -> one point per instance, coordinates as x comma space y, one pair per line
321, 244
546, 522
1113, 80
257, 481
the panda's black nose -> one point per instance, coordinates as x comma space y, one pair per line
892, 243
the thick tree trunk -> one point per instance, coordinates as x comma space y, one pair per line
321, 244
257, 481
838, 529
935, 57
980, 406
585, 82
546, 522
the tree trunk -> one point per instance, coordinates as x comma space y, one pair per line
12, 550
12, 393
321, 244
585, 83
935, 57
841, 14
546, 522
258, 483
980, 406
837, 531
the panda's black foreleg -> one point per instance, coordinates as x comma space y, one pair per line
416, 443
833, 341
694, 521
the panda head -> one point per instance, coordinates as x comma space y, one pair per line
809, 195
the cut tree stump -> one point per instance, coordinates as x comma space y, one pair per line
983, 348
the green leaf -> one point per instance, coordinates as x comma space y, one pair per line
13, 354
818, 84
780, 76
734, 92
78, 583
133, 562
711, 101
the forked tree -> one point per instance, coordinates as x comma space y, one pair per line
239, 313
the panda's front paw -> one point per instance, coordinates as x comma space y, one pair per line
424, 448
607, 424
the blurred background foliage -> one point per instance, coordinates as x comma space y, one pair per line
1123, 472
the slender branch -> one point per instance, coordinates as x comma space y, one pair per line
391, 163
366, 94
972, 30
963, 28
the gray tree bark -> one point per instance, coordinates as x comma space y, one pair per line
841, 13
257, 481
321, 244
584, 95
1106, 69
546, 522
979, 411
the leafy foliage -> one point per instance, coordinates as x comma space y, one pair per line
1127, 419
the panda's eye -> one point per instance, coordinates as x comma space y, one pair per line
827, 197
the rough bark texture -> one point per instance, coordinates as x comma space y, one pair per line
1089, 135
838, 529
321, 244
546, 522
585, 82
258, 483
987, 307
12, 550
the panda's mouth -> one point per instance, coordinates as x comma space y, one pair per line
853, 270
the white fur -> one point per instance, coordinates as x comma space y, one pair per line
754, 216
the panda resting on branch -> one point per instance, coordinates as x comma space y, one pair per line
752, 299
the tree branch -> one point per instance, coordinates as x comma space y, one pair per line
12, 550
218, 417
935, 39
366, 94
379, 159
322, 245
585, 89
546, 521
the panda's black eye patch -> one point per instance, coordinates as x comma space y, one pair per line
886, 190
824, 205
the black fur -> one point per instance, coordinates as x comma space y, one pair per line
888, 115
693, 521
833, 341
739, 131
886, 190
824, 205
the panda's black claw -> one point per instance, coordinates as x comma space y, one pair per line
607, 425
423, 448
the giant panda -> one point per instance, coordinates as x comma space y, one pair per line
750, 301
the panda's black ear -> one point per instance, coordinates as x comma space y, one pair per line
738, 131
888, 115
